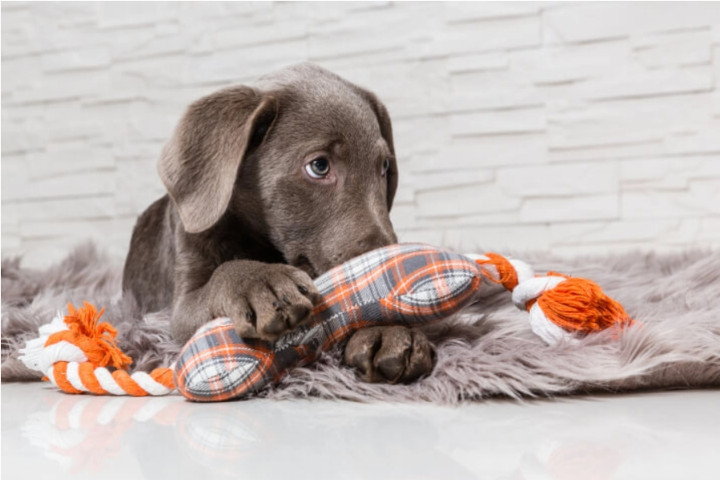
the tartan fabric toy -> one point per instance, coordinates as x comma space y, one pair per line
407, 284
397, 285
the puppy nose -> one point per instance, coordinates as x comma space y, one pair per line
364, 244
372, 241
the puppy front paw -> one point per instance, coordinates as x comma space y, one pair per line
390, 354
266, 300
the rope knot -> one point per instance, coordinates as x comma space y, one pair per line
96, 339
557, 304
580, 305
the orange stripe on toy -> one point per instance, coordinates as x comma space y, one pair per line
86, 371
163, 376
60, 376
128, 384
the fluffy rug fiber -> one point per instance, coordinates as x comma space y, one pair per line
486, 351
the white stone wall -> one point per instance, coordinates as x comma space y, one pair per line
586, 127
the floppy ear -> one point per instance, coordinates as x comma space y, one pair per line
200, 163
383, 118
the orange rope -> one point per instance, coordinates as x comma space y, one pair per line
60, 375
578, 304
164, 376
86, 371
507, 276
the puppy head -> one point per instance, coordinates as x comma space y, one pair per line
304, 157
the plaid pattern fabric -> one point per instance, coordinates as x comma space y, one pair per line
405, 284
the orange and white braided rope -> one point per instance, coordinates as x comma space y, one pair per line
74, 351
558, 306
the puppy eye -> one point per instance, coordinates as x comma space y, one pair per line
385, 166
318, 168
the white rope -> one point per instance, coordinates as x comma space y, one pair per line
544, 328
107, 382
73, 376
36, 356
532, 288
148, 384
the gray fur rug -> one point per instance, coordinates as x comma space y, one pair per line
486, 351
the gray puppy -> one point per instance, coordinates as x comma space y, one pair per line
268, 187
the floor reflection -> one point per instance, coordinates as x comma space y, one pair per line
168, 437
83, 433
256, 438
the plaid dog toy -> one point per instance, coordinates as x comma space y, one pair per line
409, 284
397, 285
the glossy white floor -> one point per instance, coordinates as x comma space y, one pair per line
668, 435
